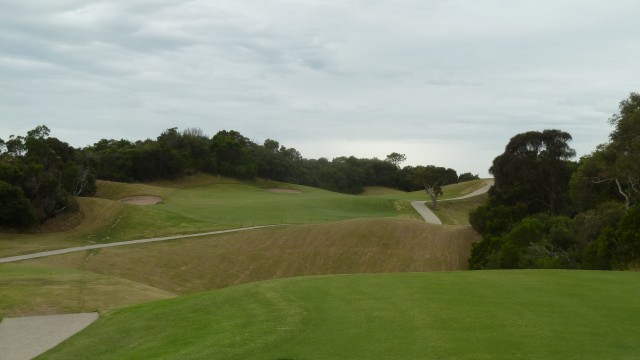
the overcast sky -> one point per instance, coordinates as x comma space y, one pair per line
447, 82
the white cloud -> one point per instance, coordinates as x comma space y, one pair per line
456, 78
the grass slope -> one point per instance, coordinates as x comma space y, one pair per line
202, 203
354, 246
460, 315
31, 290
457, 212
97, 217
448, 191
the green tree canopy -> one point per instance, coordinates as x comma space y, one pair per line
534, 170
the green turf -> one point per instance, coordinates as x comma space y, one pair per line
459, 315
203, 203
448, 191
223, 206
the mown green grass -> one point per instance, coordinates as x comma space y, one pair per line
198, 204
223, 206
203, 203
459, 315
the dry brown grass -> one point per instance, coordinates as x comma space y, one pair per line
357, 246
116, 191
379, 190
457, 212
195, 180
95, 214
28, 291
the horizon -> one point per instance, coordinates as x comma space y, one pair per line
446, 83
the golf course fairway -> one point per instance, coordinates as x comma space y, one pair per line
529, 314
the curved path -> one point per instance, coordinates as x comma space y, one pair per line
420, 207
431, 218
425, 212
26, 338
122, 243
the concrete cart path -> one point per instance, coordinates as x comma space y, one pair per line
431, 218
27, 337
425, 212
122, 243
488, 183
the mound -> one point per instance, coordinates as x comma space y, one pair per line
459, 315
355, 246
141, 200
37, 290
284, 191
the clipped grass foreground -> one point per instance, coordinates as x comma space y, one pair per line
458, 315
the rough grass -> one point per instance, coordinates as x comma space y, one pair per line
203, 203
116, 191
31, 290
448, 191
459, 315
98, 216
198, 204
355, 246
381, 190
457, 212
462, 189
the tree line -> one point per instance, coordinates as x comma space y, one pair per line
40, 175
548, 211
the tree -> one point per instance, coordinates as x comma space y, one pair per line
232, 154
618, 246
531, 176
534, 170
43, 171
467, 177
434, 191
16, 211
621, 155
396, 159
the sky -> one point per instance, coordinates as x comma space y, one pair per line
446, 82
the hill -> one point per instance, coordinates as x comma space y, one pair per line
347, 247
36, 290
461, 315
204, 203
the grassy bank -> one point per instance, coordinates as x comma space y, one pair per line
37, 290
203, 203
354, 246
461, 315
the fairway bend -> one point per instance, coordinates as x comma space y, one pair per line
432, 218
123, 243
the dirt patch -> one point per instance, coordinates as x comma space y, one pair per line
284, 191
62, 222
141, 200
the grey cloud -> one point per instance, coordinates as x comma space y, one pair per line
368, 72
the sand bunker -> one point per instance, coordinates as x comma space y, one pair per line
285, 191
141, 200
